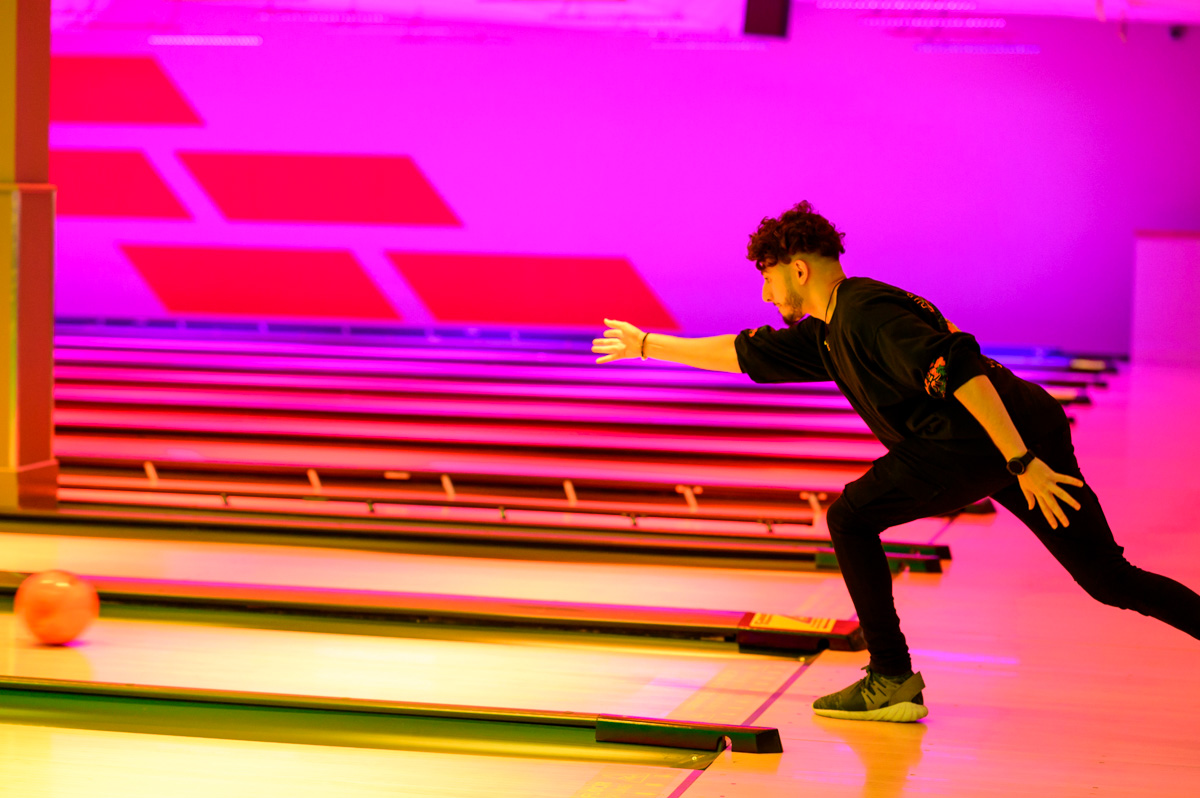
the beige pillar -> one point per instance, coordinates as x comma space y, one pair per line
28, 470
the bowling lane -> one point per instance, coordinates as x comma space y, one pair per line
780, 592
73, 763
400, 386
442, 367
648, 466
481, 434
446, 365
545, 352
579, 414
554, 672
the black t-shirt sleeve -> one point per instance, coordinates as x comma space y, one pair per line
921, 356
787, 355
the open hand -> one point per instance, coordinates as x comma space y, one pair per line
1042, 486
621, 340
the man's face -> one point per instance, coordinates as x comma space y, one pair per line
780, 289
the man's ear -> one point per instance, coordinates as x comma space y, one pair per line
801, 270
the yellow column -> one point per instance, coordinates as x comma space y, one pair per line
28, 470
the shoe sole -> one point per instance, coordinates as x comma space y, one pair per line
905, 712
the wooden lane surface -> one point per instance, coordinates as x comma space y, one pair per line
259, 606
550, 523
1033, 687
471, 434
580, 415
557, 673
648, 377
816, 393
782, 398
676, 681
442, 366
255, 523
789, 514
80, 448
71, 763
779, 592
546, 351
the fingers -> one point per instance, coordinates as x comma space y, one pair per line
1045, 489
1043, 506
1068, 480
1050, 508
620, 328
1066, 497
1059, 513
612, 350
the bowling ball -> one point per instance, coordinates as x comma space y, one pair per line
56, 606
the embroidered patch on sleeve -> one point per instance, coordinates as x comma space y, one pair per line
935, 379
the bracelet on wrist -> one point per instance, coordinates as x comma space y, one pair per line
644, 337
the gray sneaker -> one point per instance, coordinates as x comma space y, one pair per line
877, 697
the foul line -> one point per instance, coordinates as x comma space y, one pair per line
775, 695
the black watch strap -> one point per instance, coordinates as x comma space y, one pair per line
1018, 465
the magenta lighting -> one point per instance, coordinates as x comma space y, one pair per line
896, 5
204, 41
399, 154
972, 48
934, 22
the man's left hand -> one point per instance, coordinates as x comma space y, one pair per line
1043, 486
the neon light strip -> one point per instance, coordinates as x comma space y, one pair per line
204, 41
896, 5
966, 48
934, 22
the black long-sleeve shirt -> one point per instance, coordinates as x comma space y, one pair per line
895, 358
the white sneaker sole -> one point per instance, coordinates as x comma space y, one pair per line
905, 712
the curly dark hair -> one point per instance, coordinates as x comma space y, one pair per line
799, 230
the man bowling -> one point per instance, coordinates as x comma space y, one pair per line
958, 427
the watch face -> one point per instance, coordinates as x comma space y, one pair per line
1015, 466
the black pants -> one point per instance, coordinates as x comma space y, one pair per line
895, 492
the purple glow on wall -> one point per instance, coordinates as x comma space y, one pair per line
1000, 172
935, 22
896, 5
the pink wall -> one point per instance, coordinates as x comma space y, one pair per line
1166, 295
1006, 188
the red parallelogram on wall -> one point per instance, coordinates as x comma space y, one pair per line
120, 90
111, 183
531, 289
260, 282
299, 187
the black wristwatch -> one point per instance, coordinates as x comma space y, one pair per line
1018, 465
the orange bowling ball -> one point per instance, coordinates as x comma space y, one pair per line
56, 606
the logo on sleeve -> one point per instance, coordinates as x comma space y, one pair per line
939, 320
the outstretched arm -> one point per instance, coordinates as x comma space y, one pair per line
622, 340
1039, 483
